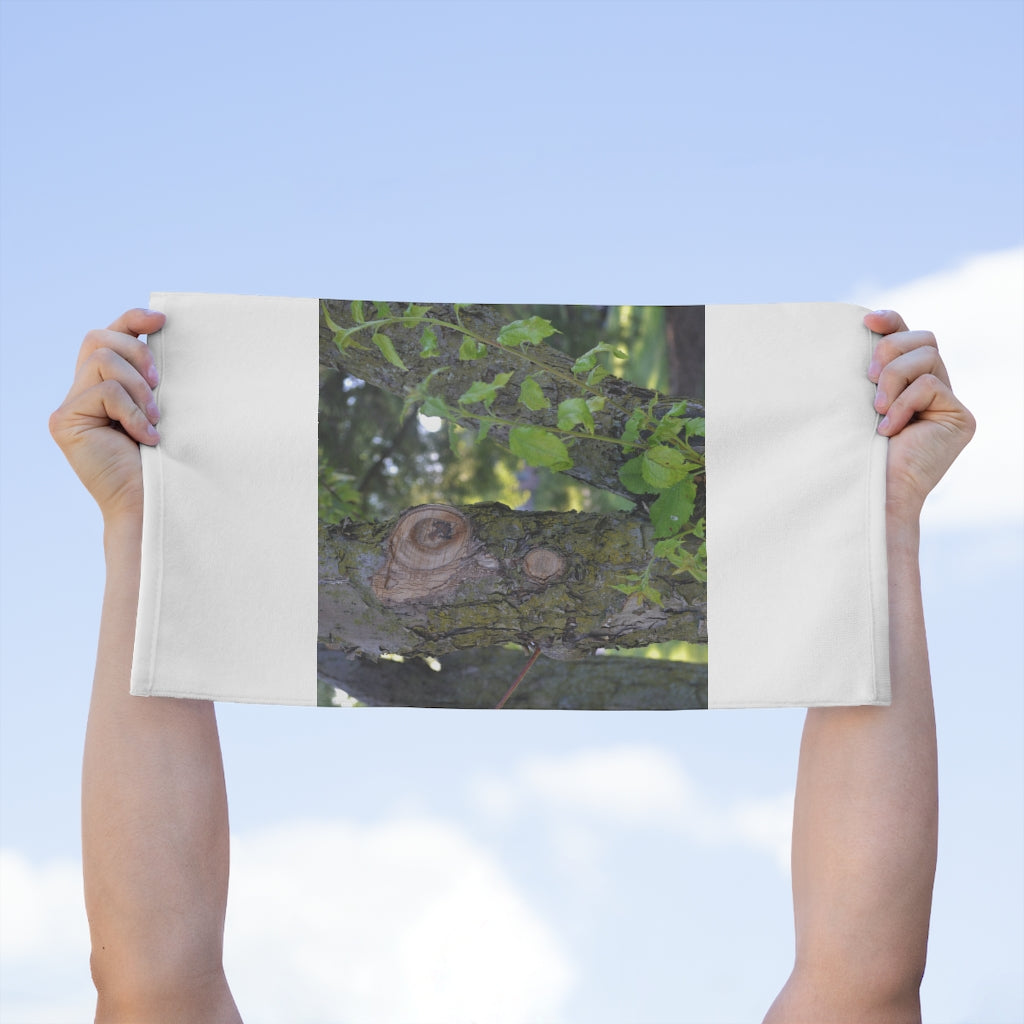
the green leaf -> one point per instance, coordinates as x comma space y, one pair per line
573, 411
346, 339
525, 332
428, 343
382, 310
531, 395
595, 403
413, 314
668, 549
631, 433
472, 349
357, 312
632, 477
586, 362
597, 374
663, 466
434, 405
672, 511
641, 589
327, 318
383, 342
539, 448
695, 427
686, 561
670, 426
485, 429
478, 391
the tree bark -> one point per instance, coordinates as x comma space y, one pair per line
440, 579
478, 679
684, 344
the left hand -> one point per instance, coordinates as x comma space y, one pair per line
927, 425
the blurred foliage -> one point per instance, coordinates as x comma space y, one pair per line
676, 650
374, 464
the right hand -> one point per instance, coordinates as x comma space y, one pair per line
109, 411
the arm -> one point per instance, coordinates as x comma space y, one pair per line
866, 814
154, 810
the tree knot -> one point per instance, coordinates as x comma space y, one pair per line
430, 550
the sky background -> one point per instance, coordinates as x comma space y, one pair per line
417, 866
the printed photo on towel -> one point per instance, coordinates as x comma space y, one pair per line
511, 506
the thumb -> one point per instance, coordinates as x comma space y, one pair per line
139, 321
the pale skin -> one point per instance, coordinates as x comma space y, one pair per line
154, 809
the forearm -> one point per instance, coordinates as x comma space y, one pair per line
866, 814
154, 810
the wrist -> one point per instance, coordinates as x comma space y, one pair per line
122, 535
902, 531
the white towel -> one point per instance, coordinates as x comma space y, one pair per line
797, 597
798, 608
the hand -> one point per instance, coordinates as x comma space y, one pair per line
927, 425
109, 411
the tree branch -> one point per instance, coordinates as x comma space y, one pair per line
477, 679
440, 579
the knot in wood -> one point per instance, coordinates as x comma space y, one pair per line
543, 565
428, 551
429, 537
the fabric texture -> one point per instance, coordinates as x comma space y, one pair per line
795, 475
227, 601
797, 582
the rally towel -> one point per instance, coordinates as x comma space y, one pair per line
362, 502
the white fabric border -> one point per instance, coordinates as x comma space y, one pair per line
228, 597
797, 580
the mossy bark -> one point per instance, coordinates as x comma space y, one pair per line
491, 591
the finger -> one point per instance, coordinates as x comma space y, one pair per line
926, 397
99, 406
904, 370
122, 337
885, 321
105, 364
138, 321
893, 346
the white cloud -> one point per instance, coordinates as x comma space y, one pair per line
405, 921
639, 786
44, 942
622, 784
976, 312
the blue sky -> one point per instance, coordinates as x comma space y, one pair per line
398, 865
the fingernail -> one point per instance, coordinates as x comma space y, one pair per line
880, 312
152, 376
884, 425
152, 411
880, 399
874, 369
151, 431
